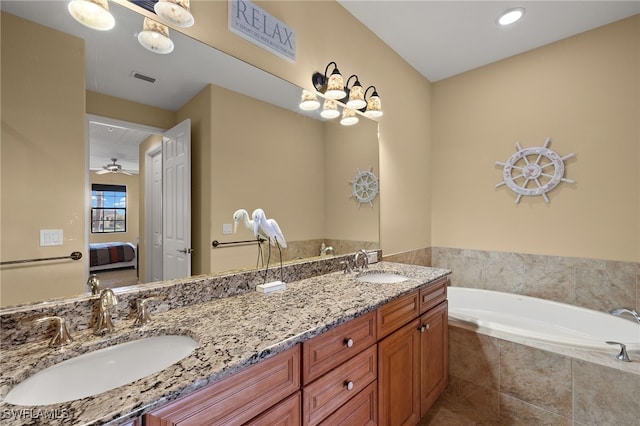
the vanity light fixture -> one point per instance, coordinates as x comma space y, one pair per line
510, 16
330, 109
155, 37
374, 107
333, 86
349, 117
309, 101
356, 94
92, 13
174, 12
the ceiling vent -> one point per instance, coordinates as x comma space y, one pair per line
139, 76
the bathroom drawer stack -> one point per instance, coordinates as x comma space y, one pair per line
385, 367
337, 366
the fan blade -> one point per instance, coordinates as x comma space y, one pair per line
125, 173
101, 172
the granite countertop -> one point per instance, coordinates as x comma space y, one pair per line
233, 333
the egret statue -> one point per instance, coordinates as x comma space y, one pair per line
269, 227
242, 215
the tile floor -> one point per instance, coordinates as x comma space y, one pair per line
449, 413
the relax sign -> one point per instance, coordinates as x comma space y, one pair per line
254, 24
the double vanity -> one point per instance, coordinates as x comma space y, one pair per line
330, 348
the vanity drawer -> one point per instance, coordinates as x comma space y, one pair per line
237, 398
434, 294
331, 391
324, 352
397, 313
286, 413
360, 410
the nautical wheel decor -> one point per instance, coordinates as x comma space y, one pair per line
533, 171
364, 187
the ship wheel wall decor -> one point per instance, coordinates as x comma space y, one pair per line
364, 187
533, 171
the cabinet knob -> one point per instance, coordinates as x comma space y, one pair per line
348, 342
426, 326
349, 385
421, 328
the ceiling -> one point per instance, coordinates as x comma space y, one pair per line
443, 38
438, 38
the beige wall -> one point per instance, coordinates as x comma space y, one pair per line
405, 145
583, 93
133, 207
44, 87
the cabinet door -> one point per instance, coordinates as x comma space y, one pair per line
399, 376
434, 355
361, 410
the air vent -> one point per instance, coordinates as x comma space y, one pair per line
142, 77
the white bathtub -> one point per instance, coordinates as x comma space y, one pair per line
504, 314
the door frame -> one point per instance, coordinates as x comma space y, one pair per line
148, 178
89, 118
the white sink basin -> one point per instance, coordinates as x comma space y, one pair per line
99, 371
381, 277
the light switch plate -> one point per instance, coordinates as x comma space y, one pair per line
51, 237
227, 228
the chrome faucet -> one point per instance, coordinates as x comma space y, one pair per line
347, 266
620, 311
142, 312
365, 260
94, 284
107, 303
622, 356
325, 250
61, 336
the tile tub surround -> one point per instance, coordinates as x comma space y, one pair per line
80, 312
590, 283
514, 383
233, 333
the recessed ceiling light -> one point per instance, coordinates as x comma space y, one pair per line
510, 16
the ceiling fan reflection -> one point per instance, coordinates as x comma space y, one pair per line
113, 168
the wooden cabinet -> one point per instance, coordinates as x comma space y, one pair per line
337, 366
286, 413
361, 410
236, 399
413, 358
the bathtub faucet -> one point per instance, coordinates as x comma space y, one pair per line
620, 311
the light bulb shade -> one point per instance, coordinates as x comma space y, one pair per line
309, 101
92, 13
374, 107
330, 109
155, 37
356, 97
349, 117
335, 86
174, 12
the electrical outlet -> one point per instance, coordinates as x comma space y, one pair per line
373, 256
227, 228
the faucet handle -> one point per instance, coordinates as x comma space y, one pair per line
94, 284
622, 356
61, 336
142, 313
347, 266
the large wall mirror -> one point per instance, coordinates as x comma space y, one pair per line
75, 99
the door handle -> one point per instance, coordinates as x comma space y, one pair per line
186, 250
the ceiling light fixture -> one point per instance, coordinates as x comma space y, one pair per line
510, 16
333, 86
309, 101
330, 109
356, 94
374, 106
155, 37
92, 13
174, 12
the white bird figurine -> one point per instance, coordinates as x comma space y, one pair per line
243, 216
269, 227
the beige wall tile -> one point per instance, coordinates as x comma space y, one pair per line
516, 412
538, 377
474, 357
483, 400
605, 396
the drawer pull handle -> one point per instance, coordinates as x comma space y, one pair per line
421, 328
348, 342
349, 385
